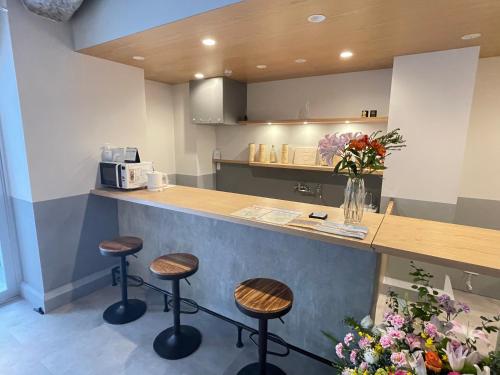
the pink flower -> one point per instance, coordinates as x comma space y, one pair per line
396, 334
353, 356
363, 366
400, 372
454, 373
456, 356
339, 350
430, 329
388, 316
413, 341
398, 359
348, 338
386, 341
364, 342
397, 321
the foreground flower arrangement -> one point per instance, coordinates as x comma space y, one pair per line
417, 338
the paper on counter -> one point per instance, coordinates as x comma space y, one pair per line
269, 215
340, 229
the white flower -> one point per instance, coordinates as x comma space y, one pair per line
473, 358
456, 356
348, 371
417, 363
367, 322
371, 356
484, 371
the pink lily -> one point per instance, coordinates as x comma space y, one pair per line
456, 356
464, 331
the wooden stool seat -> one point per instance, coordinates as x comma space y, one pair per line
121, 246
174, 266
263, 298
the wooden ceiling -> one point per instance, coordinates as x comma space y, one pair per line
276, 33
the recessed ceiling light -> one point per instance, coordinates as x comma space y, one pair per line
138, 58
269, 123
209, 42
199, 76
471, 36
346, 54
300, 61
316, 18
228, 72
261, 66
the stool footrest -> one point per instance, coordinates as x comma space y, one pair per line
275, 337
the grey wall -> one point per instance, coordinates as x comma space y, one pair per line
279, 183
328, 281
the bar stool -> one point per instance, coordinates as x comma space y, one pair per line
263, 299
178, 341
126, 310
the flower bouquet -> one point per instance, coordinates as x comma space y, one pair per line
417, 338
358, 154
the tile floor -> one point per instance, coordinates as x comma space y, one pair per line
74, 340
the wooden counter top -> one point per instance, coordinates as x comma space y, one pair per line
220, 205
458, 246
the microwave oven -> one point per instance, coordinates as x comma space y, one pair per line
125, 175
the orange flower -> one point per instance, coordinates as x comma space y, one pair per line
359, 144
433, 362
379, 149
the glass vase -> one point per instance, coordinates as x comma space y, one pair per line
354, 200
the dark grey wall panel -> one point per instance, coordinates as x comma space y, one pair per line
279, 183
484, 213
328, 281
444, 212
69, 231
28, 248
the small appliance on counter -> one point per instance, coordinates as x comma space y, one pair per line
125, 175
121, 168
157, 181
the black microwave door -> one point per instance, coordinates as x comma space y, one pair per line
109, 173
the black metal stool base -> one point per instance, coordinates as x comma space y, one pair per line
117, 313
254, 369
170, 346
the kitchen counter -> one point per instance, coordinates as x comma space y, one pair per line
458, 246
324, 271
220, 205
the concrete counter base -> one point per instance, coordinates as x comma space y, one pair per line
329, 281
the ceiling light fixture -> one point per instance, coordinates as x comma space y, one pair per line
139, 58
199, 76
300, 61
261, 66
209, 42
346, 54
316, 18
471, 36
228, 72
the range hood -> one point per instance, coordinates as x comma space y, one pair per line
217, 101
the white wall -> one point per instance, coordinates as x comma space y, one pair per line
194, 144
71, 104
480, 177
431, 97
160, 138
335, 95
11, 124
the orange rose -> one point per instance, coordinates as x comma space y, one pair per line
433, 362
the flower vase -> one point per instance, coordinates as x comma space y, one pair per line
354, 200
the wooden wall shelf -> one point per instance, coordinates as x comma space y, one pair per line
317, 168
321, 121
